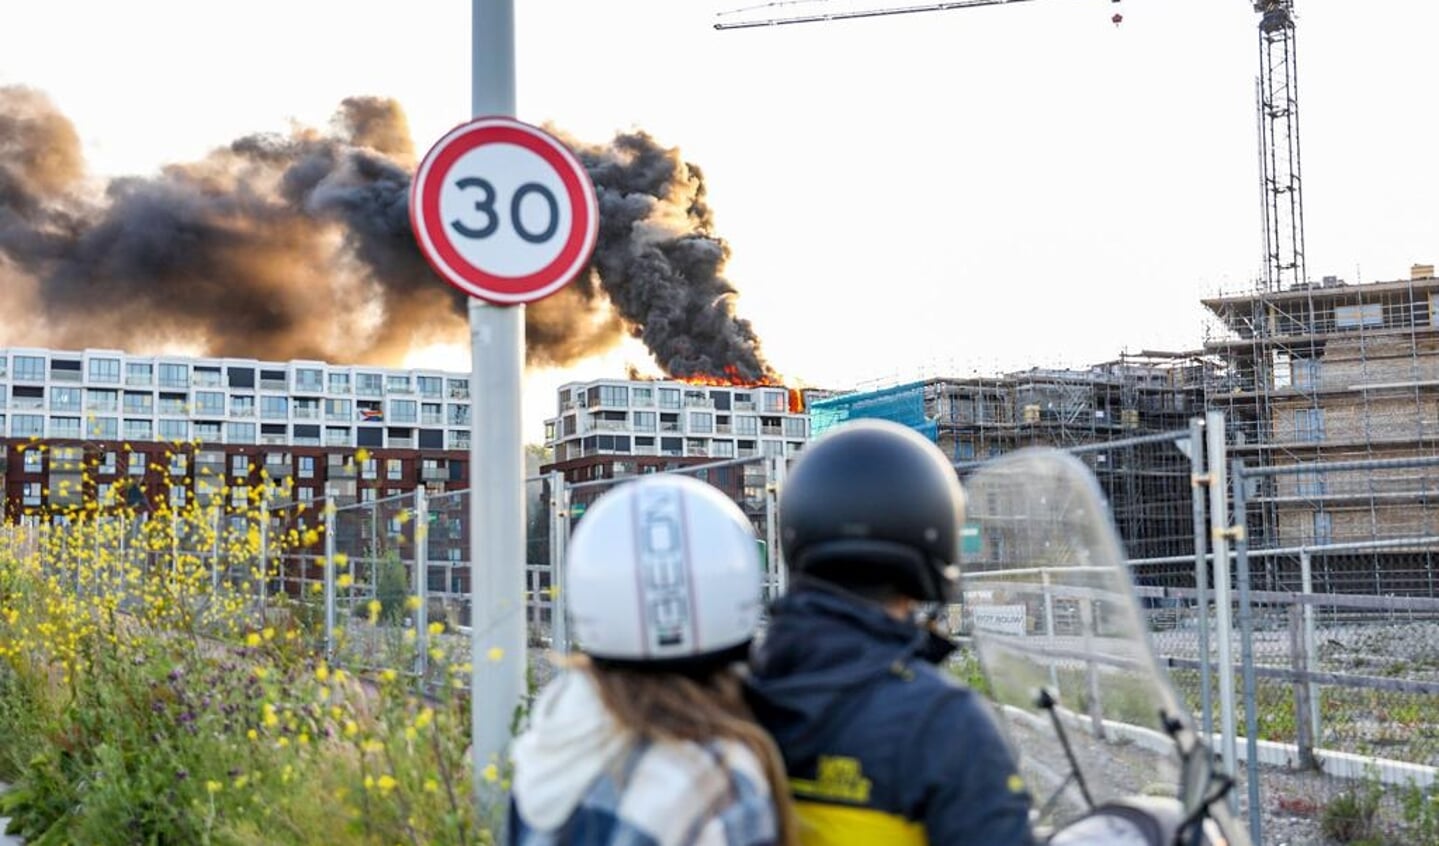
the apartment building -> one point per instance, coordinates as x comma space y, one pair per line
613, 428
181, 428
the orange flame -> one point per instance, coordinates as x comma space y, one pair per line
732, 378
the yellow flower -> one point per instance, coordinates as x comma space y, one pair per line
351, 728
491, 773
317, 587
412, 603
213, 786
388, 674
268, 633
424, 718
252, 734
437, 628
322, 673
431, 786
344, 580
496, 654
374, 607
252, 639
387, 783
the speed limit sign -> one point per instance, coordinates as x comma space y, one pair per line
504, 211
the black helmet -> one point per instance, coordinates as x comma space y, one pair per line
874, 504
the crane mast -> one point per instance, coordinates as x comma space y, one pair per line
1282, 187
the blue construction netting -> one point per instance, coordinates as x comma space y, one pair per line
903, 404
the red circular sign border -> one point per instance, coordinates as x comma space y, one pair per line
433, 237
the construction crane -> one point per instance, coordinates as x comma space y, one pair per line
1282, 195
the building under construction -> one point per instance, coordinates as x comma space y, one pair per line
1326, 372
1332, 372
1147, 484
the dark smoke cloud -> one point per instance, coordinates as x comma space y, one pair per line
299, 246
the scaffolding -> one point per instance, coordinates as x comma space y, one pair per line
1336, 372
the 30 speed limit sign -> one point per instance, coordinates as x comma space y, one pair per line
504, 211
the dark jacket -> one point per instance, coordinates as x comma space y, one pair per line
880, 745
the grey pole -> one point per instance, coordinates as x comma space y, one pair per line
1306, 575
497, 495
421, 535
329, 573
1219, 543
559, 540
1201, 576
771, 517
1246, 648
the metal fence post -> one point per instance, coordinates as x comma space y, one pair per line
1246, 649
1201, 574
422, 580
1311, 645
1299, 662
1219, 545
1049, 628
329, 573
263, 593
776, 548
559, 541
1091, 670
215, 557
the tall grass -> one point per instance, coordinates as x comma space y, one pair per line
147, 695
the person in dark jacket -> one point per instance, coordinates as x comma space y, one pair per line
880, 744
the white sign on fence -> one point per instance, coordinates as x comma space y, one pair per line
1001, 619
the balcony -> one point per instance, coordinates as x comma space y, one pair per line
402, 443
435, 474
611, 426
306, 413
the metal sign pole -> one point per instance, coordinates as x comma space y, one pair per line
497, 502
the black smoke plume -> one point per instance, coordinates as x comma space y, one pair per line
299, 246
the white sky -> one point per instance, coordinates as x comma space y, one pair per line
964, 191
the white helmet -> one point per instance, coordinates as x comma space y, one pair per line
664, 569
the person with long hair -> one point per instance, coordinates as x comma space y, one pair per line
645, 737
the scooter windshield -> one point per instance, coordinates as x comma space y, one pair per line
1060, 638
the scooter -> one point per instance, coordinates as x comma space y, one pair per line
1103, 742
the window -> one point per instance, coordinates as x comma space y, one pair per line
174, 404
174, 376
337, 436
104, 428
108, 464
27, 426
701, 422
309, 380
32, 493
207, 431
1305, 372
274, 408
239, 466
746, 425
1309, 424
772, 449
210, 403
394, 468
644, 396
307, 408
135, 464
459, 415
242, 405
368, 495
31, 368
173, 430
432, 413
64, 427
337, 409
722, 449
239, 496
179, 463
397, 384
207, 377
3, 366
430, 386
240, 433
1354, 316
339, 383
608, 395
403, 411
105, 370
34, 461
794, 427
1323, 528
459, 439
139, 430
369, 468
644, 421
459, 389
669, 398
139, 402
102, 399
65, 399
369, 384
307, 467
178, 496
305, 494
774, 401
139, 373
